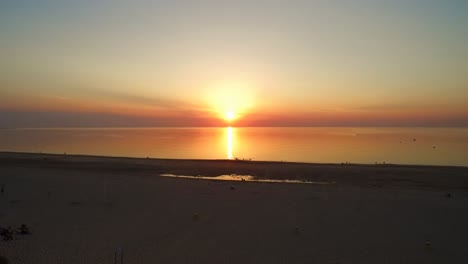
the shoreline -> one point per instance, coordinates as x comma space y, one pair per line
362, 175
20, 153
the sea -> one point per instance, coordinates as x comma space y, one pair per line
418, 146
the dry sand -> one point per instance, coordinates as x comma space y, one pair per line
81, 208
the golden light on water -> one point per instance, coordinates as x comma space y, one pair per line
229, 142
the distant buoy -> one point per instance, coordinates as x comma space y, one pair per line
428, 244
296, 230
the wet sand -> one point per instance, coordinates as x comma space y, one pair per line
82, 208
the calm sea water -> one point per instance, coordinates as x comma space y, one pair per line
434, 146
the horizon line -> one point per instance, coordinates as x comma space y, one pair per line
279, 126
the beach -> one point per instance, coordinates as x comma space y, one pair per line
90, 209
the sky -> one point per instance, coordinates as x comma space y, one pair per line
259, 63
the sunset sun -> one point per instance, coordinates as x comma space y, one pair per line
230, 115
230, 100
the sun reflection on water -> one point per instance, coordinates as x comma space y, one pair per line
229, 143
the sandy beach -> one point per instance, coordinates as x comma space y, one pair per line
84, 209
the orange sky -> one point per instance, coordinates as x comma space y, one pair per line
304, 63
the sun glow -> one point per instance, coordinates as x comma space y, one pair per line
230, 101
230, 115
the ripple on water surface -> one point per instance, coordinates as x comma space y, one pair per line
235, 177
